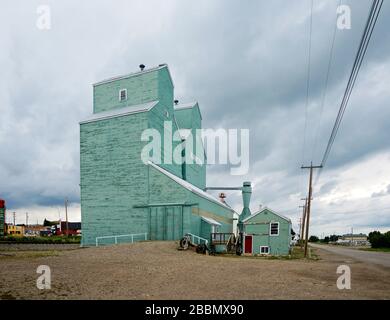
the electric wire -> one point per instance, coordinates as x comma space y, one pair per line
365, 39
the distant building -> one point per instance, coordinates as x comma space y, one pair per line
350, 239
354, 237
34, 230
2, 218
74, 228
267, 232
14, 231
60, 227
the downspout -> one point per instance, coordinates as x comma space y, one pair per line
183, 163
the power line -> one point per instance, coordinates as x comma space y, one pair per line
324, 92
370, 24
308, 80
307, 90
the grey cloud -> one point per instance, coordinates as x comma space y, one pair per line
381, 193
245, 64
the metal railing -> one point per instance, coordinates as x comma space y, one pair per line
193, 237
221, 238
122, 236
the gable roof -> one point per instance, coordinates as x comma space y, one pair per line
186, 106
133, 74
189, 186
264, 209
119, 112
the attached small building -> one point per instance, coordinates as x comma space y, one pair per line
266, 232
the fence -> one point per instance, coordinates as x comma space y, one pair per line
144, 235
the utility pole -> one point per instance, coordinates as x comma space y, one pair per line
300, 229
66, 215
311, 167
26, 219
14, 214
303, 222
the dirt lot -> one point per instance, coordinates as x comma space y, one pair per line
156, 270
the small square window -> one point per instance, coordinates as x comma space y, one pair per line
123, 95
264, 250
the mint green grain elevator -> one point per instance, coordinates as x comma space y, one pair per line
121, 195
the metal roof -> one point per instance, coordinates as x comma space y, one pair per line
188, 105
210, 221
262, 210
119, 112
189, 186
185, 106
133, 74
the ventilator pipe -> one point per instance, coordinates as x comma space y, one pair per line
246, 197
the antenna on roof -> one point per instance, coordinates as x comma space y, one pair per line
176, 102
142, 67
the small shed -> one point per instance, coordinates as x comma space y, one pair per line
266, 232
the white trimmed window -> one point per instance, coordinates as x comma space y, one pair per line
264, 250
274, 228
122, 94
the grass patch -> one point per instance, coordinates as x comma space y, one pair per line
376, 249
42, 240
296, 253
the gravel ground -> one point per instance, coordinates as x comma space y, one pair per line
156, 270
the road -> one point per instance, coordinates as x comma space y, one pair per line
378, 258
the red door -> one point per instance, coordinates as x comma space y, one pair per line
248, 244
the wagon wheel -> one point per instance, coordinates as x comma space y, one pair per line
229, 247
184, 243
201, 249
238, 250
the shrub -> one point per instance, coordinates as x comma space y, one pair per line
379, 240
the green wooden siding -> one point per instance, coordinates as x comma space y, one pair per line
112, 177
259, 227
141, 88
190, 118
119, 193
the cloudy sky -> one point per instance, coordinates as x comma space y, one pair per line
247, 67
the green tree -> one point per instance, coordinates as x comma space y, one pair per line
379, 240
313, 239
334, 238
